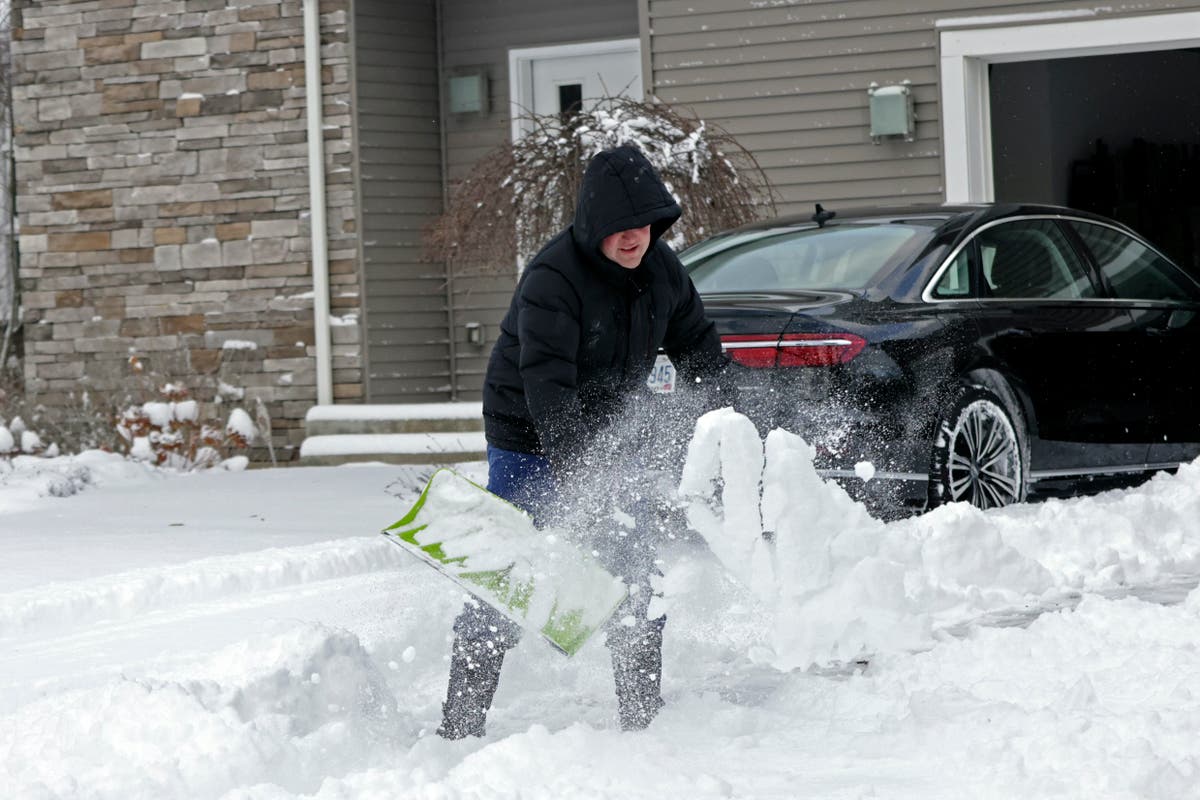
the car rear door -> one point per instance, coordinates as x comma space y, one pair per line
1164, 305
1044, 321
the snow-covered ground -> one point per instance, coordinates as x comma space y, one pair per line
246, 635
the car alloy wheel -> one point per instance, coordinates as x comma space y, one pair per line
979, 455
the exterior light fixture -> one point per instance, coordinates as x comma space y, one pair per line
467, 93
892, 111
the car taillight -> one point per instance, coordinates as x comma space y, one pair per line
793, 349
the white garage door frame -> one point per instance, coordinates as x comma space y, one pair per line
965, 53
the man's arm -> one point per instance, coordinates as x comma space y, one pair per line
691, 341
548, 330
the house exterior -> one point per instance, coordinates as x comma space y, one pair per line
172, 156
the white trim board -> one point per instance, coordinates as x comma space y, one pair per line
965, 54
520, 69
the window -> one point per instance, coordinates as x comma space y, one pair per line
570, 99
1134, 271
955, 282
846, 256
1031, 259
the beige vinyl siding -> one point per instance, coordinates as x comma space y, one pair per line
408, 349
479, 33
789, 80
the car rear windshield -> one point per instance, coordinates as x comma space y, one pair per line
845, 256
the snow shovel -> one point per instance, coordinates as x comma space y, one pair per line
492, 549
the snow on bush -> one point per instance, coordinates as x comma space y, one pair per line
240, 425
152, 417
523, 193
173, 432
16, 438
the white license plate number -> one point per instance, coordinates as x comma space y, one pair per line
662, 377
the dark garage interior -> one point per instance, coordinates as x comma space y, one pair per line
1115, 134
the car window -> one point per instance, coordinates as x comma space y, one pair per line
955, 282
847, 256
1134, 270
1031, 259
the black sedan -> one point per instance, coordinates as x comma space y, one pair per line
979, 353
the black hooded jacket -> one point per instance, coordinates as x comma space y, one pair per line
583, 332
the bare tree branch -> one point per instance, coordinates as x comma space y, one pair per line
521, 194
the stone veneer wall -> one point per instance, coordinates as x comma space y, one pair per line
162, 182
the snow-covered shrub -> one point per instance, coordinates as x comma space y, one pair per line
154, 416
36, 429
518, 196
175, 431
16, 438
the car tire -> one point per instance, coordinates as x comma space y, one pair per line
980, 451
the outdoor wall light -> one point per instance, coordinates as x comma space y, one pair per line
474, 333
892, 111
467, 93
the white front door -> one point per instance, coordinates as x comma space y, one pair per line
551, 80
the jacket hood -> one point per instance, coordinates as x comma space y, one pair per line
621, 190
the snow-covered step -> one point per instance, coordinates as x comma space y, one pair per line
394, 448
409, 433
394, 418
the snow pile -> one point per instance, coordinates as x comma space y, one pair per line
24, 479
279, 709
1110, 689
837, 584
1126, 537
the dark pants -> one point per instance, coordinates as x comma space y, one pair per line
483, 635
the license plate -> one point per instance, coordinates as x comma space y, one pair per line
662, 376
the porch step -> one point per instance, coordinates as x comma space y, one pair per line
418, 433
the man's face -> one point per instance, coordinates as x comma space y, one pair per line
627, 247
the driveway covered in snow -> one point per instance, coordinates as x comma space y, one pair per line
249, 635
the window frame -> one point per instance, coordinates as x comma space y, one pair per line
1103, 291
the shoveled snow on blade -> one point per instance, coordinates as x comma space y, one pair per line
535, 577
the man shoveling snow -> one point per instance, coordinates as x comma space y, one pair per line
586, 323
